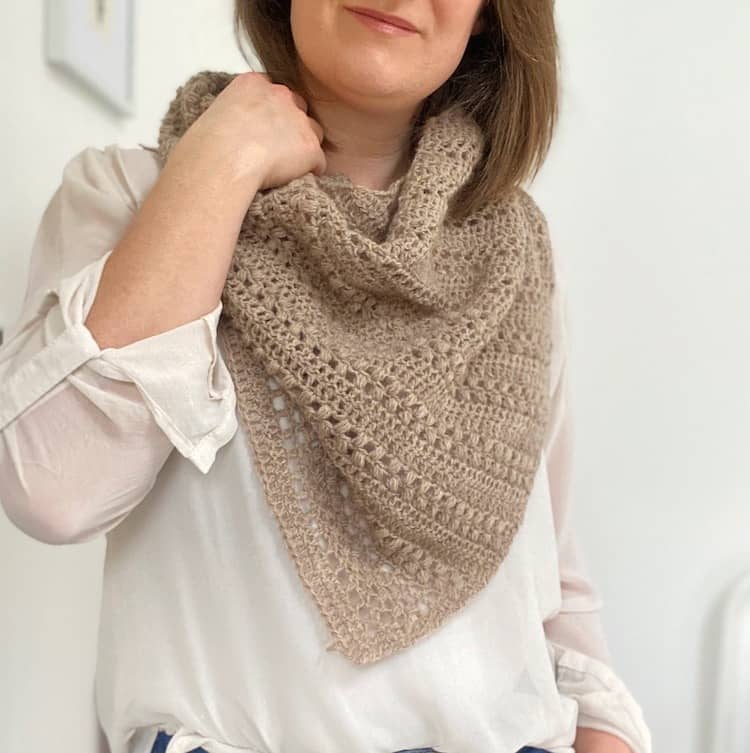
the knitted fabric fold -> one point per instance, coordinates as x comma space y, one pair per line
392, 374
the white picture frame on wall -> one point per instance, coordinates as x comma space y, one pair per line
92, 41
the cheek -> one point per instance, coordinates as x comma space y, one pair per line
454, 20
442, 57
309, 20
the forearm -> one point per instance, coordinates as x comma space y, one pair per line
170, 266
594, 741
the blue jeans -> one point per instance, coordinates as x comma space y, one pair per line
160, 745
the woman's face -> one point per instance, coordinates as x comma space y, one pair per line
344, 57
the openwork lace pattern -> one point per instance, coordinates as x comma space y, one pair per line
392, 375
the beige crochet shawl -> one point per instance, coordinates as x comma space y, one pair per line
391, 370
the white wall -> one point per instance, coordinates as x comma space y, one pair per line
645, 191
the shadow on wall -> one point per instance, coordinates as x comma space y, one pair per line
726, 672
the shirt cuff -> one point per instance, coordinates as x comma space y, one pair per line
604, 702
180, 374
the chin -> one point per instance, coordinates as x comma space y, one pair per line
368, 86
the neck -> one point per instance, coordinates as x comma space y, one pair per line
370, 148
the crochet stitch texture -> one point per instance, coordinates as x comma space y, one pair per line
392, 375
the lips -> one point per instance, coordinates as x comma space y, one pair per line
393, 20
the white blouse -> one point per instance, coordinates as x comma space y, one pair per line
206, 629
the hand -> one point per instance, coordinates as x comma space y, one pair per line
595, 741
255, 134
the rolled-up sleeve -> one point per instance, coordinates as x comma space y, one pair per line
574, 633
65, 404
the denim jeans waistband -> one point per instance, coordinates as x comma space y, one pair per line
162, 739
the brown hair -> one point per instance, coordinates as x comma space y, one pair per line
507, 80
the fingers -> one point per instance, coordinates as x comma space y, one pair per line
317, 128
322, 164
299, 101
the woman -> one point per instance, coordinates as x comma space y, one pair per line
375, 164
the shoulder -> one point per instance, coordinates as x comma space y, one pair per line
123, 173
552, 254
540, 227
99, 191
532, 211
